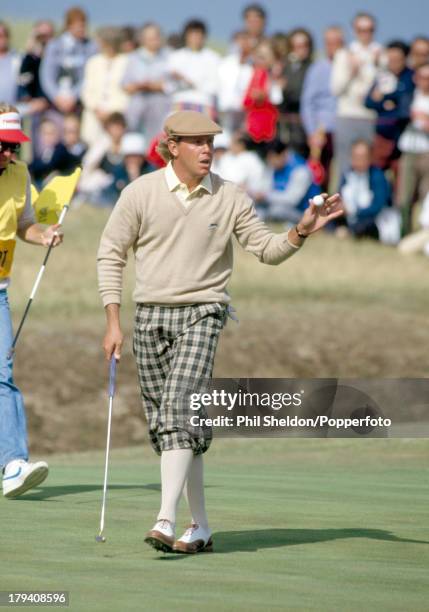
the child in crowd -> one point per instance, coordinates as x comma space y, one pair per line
133, 148
76, 148
53, 156
104, 175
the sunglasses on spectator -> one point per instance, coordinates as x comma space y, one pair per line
13, 147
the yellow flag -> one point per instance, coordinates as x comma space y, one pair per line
34, 194
53, 197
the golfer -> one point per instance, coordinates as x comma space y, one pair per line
16, 219
180, 221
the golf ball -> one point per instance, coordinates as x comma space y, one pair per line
318, 200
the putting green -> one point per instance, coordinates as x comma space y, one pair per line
298, 525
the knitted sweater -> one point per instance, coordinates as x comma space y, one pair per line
183, 255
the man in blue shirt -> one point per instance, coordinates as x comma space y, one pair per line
390, 97
318, 104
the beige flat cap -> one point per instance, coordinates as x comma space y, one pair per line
190, 123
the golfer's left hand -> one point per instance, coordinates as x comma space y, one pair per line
316, 217
55, 232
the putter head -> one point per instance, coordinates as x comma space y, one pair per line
100, 538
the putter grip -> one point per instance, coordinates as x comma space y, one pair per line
112, 377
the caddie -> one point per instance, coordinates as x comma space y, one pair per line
16, 219
180, 221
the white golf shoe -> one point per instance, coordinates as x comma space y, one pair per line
195, 539
161, 537
20, 476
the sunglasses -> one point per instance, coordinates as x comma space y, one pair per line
13, 147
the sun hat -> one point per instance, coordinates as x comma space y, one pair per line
11, 128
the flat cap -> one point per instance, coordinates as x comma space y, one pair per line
190, 123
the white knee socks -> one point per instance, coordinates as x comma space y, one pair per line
178, 467
175, 465
194, 492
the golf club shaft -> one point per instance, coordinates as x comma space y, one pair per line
112, 377
106, 465
36, 285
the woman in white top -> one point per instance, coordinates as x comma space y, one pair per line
102, 92
195, 69
353, 73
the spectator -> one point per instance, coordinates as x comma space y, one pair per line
221, 145
318, 105
414, 145
298, 62
365, 192
53, 156
10, 62
290, 185
102, 93
133, 148
76, 148
242, 166
174, 41
353, 73
418, 242
235, 72
63, 64
390, 97
104, 174
262, 94
255, 21
129, 41
280, 46
419, 52
195, 71
147, 82
31, 96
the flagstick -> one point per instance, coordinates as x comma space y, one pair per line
36, 284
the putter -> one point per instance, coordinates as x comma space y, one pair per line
112, 379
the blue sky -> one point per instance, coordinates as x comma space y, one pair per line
397, 19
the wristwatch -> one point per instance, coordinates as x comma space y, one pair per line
303, 236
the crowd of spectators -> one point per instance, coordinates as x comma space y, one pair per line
353, 116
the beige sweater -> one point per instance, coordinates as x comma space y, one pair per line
183, 255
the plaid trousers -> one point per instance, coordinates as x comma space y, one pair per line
175, 349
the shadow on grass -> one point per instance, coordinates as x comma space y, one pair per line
252, 541
46, 493
249, 541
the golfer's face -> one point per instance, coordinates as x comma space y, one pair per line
196, 154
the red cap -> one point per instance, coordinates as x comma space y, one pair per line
11, 129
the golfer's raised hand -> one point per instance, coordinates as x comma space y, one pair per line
316, 217
52, 232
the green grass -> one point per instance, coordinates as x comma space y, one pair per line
298, 525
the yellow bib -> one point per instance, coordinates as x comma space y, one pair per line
7, 248
13, 189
